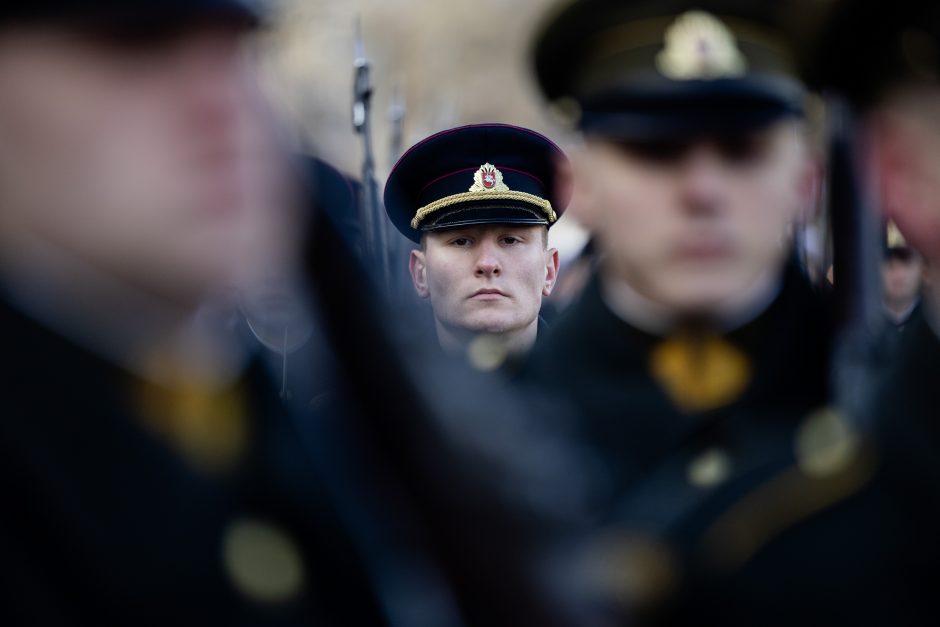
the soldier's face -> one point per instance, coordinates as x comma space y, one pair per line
693, 226
901, 278
905, 137
485, 279
145, 159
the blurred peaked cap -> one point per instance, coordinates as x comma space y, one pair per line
648, 69
893, 243
133, 13
869, 47
477, 174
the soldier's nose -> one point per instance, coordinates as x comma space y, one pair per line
703, 182
488, 269
487, 262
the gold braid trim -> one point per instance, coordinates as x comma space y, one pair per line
448, 201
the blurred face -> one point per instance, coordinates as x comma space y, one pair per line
901, 278
694, 225
147, 160
905, 136
487, 278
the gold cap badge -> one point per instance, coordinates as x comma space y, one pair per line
895, 237
699, 46
488, 179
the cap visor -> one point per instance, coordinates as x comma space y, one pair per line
498, 214
692, 108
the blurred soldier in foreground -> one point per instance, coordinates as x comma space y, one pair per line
274, 300
700, 351
862, 548
148, 472
480, 200
701, 361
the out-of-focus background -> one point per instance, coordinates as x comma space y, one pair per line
435, 65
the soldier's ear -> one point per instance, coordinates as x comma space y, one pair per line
808, 169
809, 185
417, 265
551, 271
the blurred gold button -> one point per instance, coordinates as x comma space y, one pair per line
486, 353
627, 570
825, 444
263, 561
709, 468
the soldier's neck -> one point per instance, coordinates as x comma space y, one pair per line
165, 342
899, 310
658, 319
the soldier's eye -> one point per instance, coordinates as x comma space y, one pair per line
741, 148
461, 241
662, 151
511, 239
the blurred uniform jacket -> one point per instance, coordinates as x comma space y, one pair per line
771, 509
105, 523
672, 473
603, 364
895, 329
851, 541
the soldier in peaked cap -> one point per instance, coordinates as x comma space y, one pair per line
868, 555
902, 270
883, 59
148, 472
747, 505
700, 352
479, 200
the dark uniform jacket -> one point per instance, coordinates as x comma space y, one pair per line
654, 452
601, 364
856, 546
103, 522
895, 329
810, 522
